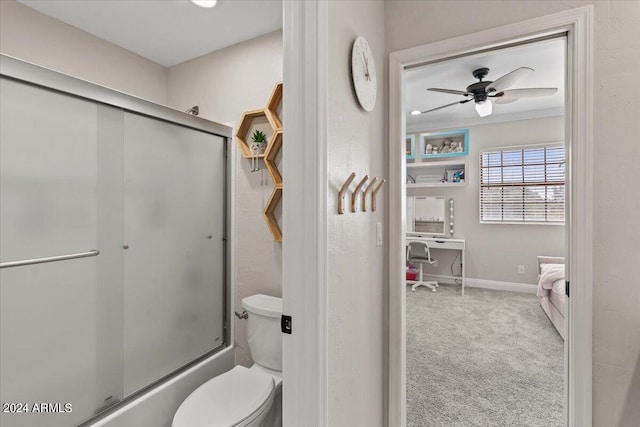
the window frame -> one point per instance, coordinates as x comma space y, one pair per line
523, 147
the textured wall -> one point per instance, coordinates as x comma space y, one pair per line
37, 38
357, 285
224, 84
494, 251
616, 297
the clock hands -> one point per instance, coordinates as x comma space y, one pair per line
366, 66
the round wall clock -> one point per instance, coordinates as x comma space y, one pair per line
363, 73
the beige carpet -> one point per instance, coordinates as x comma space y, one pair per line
490, 358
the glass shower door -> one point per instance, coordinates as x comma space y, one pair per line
133, 210
174, 222
48, 207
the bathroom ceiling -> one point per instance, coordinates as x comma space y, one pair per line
167, 32
546, 58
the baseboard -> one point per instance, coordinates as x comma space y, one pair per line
489, 284
502, 286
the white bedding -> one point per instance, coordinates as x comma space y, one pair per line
551, 278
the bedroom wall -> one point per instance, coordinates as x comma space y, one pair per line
356, 279
37, 38
494, 251
224, 84
616, 200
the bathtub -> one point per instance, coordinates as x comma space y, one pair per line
156, 407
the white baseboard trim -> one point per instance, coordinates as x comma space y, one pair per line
502, 286
488, 284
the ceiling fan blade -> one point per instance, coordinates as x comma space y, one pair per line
508, 79
504, 101
450, 91
445, 106
524, 93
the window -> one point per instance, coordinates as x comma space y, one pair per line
522, 185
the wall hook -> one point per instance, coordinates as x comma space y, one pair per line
373, 195
342, 191
354, 195
364, 193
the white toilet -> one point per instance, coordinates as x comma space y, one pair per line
244, 397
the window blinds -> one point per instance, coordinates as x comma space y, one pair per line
523, 184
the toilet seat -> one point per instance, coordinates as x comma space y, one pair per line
234, 398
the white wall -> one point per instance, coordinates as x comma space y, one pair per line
356, 281
37, 38
224, 84
494, 251
616, 298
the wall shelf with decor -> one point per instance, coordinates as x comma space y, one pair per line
448, 143
450, 173
274, 131
411, 147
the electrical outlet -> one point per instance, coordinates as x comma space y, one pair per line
521, 269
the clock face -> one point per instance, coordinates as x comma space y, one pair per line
363, 73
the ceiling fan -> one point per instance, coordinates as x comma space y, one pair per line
482, 92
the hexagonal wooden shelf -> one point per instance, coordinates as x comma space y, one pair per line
269, 211
273, 148
270, 157
274, 103
245, 125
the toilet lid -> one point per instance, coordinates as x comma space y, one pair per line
225, 400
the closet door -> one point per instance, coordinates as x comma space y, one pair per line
174, 213
48, 207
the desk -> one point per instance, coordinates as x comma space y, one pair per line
441, 243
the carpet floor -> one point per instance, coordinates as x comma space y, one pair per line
490, 358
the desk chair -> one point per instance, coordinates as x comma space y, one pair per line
418, 252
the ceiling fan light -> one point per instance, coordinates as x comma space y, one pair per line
416, 112
484, 108
205, 3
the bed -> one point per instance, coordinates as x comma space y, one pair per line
551, 290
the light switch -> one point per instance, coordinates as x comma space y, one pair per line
379, 234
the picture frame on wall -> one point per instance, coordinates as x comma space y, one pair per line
411, 147
449, 143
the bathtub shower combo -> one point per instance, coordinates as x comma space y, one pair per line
114, 219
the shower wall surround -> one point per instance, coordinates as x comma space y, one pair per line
147, 188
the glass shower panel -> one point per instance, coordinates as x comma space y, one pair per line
174, 265
48, 173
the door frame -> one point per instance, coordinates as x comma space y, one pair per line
304, 213
578, 25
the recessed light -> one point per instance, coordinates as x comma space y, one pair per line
415, 112
205, 3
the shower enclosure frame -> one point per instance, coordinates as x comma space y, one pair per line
23, 72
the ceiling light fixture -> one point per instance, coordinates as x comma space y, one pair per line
205, 3
484, 108
416, 112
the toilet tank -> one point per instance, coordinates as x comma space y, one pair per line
265, 337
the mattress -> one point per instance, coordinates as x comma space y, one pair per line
551, 290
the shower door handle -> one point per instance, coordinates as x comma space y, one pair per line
93, 252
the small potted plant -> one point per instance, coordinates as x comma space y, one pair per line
259, 144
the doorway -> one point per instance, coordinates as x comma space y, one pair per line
484, 340
577, 134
